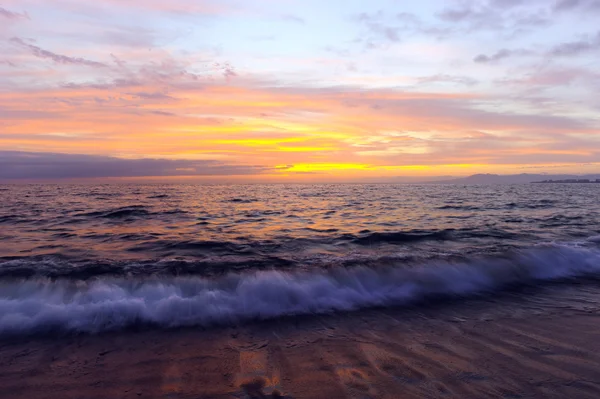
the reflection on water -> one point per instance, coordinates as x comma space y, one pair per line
286, 225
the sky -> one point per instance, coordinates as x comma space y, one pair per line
298, 90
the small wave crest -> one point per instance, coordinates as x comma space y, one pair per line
42, 305
400, 237
459, 208
8, 218
242, 200
134, 210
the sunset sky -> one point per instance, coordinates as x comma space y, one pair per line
297, 90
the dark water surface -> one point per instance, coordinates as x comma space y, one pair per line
74, 256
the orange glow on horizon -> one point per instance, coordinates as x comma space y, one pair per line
316, 131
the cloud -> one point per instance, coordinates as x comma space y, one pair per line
566, 49
576, 47
567, 5
508, 3
489, 149
249, 122
459, 14
227, 70
459, 114
33, 165
499, 56
153, 95
12, 15
580, 5
558, 77
379, 28
58, 58
498, 15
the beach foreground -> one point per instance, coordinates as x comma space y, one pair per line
545, 344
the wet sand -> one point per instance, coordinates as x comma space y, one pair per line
544, 346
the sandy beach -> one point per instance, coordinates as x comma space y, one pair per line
539, 345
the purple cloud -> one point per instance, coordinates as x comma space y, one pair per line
58, 58
12, 15
33, 165
458, 14
553, 77
571, 5
576, 47
508, 3
566, 49
499, 56
377, 25
498, 15
566, 5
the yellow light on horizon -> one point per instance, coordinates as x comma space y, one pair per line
367, 168
323, 167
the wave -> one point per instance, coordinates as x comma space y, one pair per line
8, 218
400, 237
127, 212
242, 200
412, 236
198, 245
459, 207
543, 204
43, 305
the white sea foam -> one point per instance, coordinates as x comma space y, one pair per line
30, 306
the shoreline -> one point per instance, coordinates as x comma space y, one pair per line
516, 346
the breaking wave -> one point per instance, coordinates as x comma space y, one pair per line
104, 304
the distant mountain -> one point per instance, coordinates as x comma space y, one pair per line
522, 178
410, 179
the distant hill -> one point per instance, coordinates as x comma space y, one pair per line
522, 178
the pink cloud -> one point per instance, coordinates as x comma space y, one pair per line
12, 15
58, 58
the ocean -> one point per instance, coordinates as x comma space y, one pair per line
94, 258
